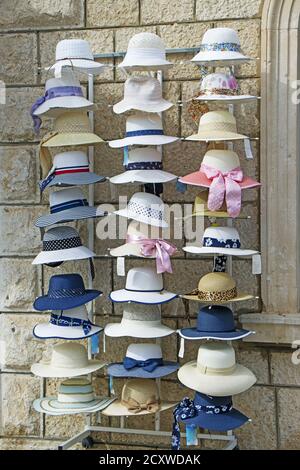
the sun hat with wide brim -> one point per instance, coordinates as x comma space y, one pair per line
217, 126
51, 406
145, 51
68, 360
146, 208
215, 372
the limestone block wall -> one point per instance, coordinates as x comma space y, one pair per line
29, 32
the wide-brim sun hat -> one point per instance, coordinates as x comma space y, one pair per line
146, 208
217, 126
143, 176
51, 406
145, 51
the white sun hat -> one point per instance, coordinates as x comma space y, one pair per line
220, 46
62, 244
220, 240
145, 51
143, 286
74, 396
222, 87
70, 324
139, 321
143, 165
216, 372
217, 126
76, 53
67, 360
143, 129
142, 93
146, 208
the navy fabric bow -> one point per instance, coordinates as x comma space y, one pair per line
184, 410
149, 365
61, 320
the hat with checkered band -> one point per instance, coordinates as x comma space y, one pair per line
146, 208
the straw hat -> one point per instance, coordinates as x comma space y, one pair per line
217, 125
222, 87
139, 397
200, 209
146, 208
217, 288
216, 372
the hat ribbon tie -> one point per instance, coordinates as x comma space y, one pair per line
224, 184
144, 166
221, 46
68, 205
213, 371
144, 132
214, 296
184, 410
161, 249
151, 405
221, 243
148, 365
61, 320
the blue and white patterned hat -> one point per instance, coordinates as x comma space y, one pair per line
146, 208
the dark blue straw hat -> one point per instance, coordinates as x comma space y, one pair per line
65, 291
214, 322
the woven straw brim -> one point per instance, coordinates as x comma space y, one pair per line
239, 298
46, 370
117, 409
227, 99
47, 405
143, 331
147, 106
220, 57
72, 138
67, 254
56, 106
82, 65
123, 295
216, 136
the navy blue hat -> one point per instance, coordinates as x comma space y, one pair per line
65, 291
214, 322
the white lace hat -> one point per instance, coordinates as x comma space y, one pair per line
220, 45
146, 208
222, 87
145, 51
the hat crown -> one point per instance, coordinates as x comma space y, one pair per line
143, 121
216, 282
73, 49
142, 88
141, 312
67, 79
66, 282
77, 312
215, 319
60, 233
71, 159
217, 117
221, 234
144, 351
65, 195
220, 35
220, 81
216, 355
139, 230
72, 122
69, 356
146, 205
223, 160
146, 41
140, 390
146, 154
144, 280
75, 390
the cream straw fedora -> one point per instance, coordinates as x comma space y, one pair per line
222, 87
216, 372
217, 126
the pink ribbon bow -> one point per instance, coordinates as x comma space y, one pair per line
224, 184
161, 249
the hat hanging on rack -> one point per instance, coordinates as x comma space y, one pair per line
217, 126
146, 208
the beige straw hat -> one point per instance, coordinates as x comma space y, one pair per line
217, 125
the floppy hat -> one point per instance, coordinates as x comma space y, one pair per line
146, 208
143, 286
220, 240
72, 324
67, 360
62, 244
217, 126
143, 165
220, 171
145, 51
216, 372
145, 241
67, 205
65, 291
217, 287
139, 397
142, 93
143, 129
143, 361
74, 396
139, 321
70, 169
220, 45
71, 128
222, 87
76, 53
214, 322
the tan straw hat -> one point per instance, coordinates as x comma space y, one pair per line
217, 125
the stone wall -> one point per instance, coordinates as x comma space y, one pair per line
29, 33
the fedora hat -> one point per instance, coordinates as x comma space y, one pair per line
217, 287
200, 209
220, 240
70, 169
143, 361
142, 93
143, 129
220, 171
67, 360
65, 291
72, 324
145, 241
74, 396
222, 87
143, 286
139, 321
214, 322
145, 51
143, 165
67, 205
62, 244
139, 397
146, 208
217, 126
76, 53
216, 372
220, 45
71, 128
